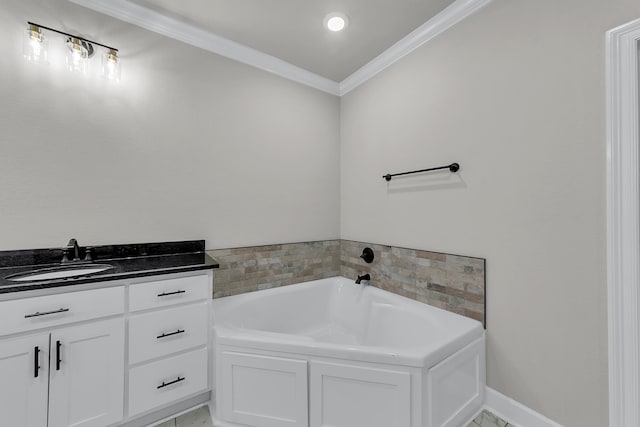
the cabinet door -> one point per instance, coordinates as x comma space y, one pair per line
23, 386
264, 391
357, 396
87, 375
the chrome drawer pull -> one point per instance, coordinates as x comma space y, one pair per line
179, 331
163, 385
166, 294
38, 314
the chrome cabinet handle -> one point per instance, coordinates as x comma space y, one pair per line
164, 335
46, 313
166, 294
163, 385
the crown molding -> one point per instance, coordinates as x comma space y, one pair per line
174, 28
171, 27
450, 16
623, 224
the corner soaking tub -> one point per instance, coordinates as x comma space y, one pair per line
330, 353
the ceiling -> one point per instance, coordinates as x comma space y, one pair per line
293, 31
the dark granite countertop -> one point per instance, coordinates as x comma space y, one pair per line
127, 261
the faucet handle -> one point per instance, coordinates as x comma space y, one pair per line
65, 255
367, 255
88, 253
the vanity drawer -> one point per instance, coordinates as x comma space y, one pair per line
60, 309
188, 372
163, 332
163, 293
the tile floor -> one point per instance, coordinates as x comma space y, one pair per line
197, 418
200, 418
487, 419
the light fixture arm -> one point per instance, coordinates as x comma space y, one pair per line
72, 35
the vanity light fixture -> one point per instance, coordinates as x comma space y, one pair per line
336, 21
79, 50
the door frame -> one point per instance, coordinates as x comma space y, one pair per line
623, 224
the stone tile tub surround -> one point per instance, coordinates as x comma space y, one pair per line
452, 282
255, 268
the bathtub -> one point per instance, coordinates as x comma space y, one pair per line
330, 353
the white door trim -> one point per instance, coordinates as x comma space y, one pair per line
623, 224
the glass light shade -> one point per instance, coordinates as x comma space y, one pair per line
111, 65
34, 45
77, 56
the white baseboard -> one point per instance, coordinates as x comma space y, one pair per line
514, 412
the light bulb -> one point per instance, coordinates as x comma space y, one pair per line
336, 22
35, 45
111, 65
77, 55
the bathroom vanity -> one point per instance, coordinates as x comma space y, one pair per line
124, 347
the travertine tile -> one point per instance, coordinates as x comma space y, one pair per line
435, 256
197, 418
487, 419
262, 267
451, 282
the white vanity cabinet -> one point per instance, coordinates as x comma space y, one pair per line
63, 375
168, 341
24, 369
121, 353
87, 374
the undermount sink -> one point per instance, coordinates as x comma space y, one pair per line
62, 272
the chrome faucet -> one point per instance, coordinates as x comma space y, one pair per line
71, 249
366, 277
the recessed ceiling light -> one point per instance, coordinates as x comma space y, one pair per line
336, 21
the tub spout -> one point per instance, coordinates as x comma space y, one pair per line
363, 277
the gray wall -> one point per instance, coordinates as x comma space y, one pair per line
515, 94
188, 145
